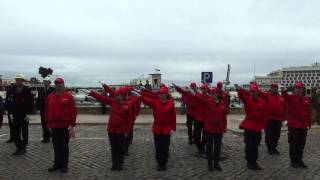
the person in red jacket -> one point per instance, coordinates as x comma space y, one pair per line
200, 115
120, 120
191, 104
255, 110
60, 117
136, 104
299, 121
275, 118
222, 95
164, 124
214, 126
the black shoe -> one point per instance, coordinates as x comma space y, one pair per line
295, 165
302, 165
116, 168
53, 168
162, 168
9, 141
64, 170
210, 168
19, 152
253, 166
270, 152
276, 152
190, 142
217, 167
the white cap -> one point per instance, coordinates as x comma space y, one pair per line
19, 76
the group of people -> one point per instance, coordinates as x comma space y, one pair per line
207, 111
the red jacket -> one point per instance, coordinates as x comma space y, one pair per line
256, 112
225, 98
60, 111
200, 114
299, 111
216, 115
121, 115
164, 115
276, 106
136, 104
191, 101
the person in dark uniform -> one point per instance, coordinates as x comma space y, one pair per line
42, 96
22, 105
8, 107
1, 111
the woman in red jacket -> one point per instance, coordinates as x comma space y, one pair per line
121, 117
299, 121
164, 115
275, 118
191, 104
61, 114
214, 126
254, 122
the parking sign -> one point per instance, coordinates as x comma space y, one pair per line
206, 77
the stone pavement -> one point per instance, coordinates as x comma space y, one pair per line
90, 158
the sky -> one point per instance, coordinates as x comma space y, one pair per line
114, 41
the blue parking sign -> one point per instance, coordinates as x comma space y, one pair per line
206, 77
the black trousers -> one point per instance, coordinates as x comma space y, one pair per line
272, 134
46, 134
11, 125
297, 141
189, 123
199, 137
213, 140
20, 131
60, 142
128, 141
117, 143
252, 141
162, 144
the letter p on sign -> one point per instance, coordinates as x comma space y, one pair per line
206, 77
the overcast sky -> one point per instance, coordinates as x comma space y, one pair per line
85, 41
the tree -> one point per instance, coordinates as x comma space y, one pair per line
44, 72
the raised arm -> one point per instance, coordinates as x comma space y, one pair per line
149, 94
148, 101
101, 98
180, 90
109, 90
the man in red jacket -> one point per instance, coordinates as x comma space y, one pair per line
191, 104
255, 110
214, 126
61, 115
164, 124
299, 121
276, 115
121, 117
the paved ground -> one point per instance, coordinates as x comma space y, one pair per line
90, 158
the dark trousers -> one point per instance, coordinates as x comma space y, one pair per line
11, 125
252, 141
46, 134
128, 141
20, 131
162, 144
297, 141
272, 134
189, 123
213, 140
60, 141
117, 142
199, 138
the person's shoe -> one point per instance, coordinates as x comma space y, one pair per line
9, 141
19, 152
276, 152
295, 165
270, 152
64, 170
302, 165
116, 168
253, 166
126, 153
217, 167
210, 168
190, 142
54, 168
